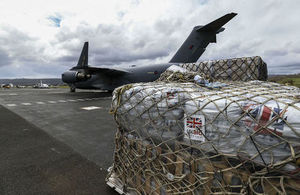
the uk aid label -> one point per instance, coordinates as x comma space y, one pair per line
194, 127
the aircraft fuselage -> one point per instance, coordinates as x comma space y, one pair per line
136, 74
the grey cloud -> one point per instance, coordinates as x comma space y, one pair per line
276, 52
18, 47
231, 49
15, 36
296, 50
4, 58
111, 44
296, 65
45, 69
140, 44
121, 14
67, 59
168, 26
32, 70
120, 56
263, 28
284, 69
135, 2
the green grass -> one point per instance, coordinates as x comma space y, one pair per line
286, 79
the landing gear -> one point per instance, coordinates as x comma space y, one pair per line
72, 89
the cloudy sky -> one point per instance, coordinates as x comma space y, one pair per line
44, 38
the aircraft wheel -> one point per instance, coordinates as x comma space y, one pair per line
72, 89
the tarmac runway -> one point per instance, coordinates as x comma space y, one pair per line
55, 142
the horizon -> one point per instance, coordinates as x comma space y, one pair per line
295, 74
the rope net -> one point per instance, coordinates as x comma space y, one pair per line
186, 138
235, 69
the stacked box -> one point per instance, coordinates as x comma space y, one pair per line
235, 69
182, 138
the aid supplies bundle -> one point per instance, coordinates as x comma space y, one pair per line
235, 69
181, 137
189, 133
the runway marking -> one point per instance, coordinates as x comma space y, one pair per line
26, 104
8, 94
91, 108
61, 101
107, 98
10, 105
55, 92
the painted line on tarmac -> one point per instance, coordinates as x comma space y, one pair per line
70, 100
26, 104
61, 101
56, 92
11, 105
91, 108
11, 94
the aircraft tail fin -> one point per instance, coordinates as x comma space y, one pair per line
194, 46
215, 25
83, 59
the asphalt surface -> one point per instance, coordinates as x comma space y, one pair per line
55, 142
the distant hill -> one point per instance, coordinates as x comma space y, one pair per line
30, 82
292, 79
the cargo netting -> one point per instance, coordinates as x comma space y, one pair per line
235, 69
185, 138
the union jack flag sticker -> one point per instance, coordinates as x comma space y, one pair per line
194, 127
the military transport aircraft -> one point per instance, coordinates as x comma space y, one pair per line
83, 76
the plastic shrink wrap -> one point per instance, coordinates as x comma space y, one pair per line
235, 69
206, 132
255, 120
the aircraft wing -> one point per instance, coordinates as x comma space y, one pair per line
83, 65
112, 71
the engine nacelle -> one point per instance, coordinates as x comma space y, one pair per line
74, 76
